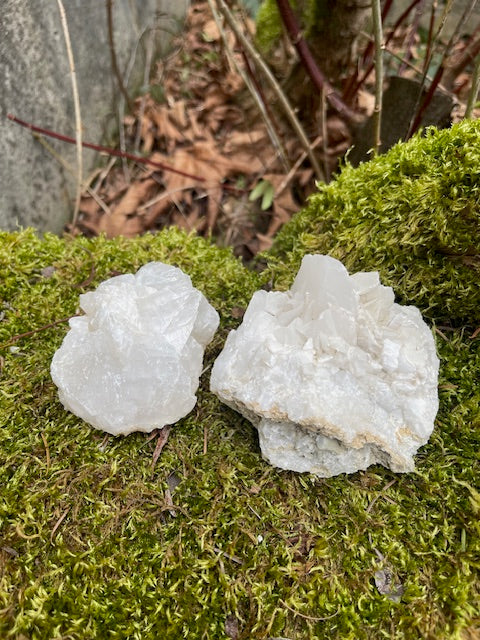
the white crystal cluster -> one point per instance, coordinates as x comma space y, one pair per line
333, 373
133, 361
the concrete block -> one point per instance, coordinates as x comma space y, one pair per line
36, 86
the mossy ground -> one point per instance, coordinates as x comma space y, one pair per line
413, 214
91, 546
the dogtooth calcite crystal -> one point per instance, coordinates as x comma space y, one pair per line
133, 361
333, 373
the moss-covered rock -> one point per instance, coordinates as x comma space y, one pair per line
96, 543
413, 214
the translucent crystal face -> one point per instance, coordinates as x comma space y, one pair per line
133, 361
334, 374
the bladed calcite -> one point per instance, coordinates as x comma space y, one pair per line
333, 373
133, 361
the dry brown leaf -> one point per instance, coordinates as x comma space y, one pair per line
203, 159
365, 101
337, 129
89, 206
161, 116
237, 139
264, 242
283, 205
210, 31
115, 223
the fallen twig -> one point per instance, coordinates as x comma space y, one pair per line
27, 334
161, 442
58, 523
381, 492
68, 167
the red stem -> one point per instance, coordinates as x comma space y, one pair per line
426, 101
27, 334
431, 25
367, 55
102, 149
293, 29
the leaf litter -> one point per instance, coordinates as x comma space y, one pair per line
208, 127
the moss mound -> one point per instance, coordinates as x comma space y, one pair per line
212, 542
413, 214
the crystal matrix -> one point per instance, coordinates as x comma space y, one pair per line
333, 373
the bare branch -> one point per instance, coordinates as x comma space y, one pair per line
377, 113
258, 60
473, 95
78, 118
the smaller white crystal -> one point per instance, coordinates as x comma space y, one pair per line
133, 361
334, 374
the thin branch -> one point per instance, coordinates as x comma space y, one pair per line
473, 95
27, 334
113, 56
256, 57
367, 56
258, 87
47, 450
162, 439
418, 113
377, 112
102, 149
68, 167
411, 36
319, 80
353, 89
466, 57
256, 95
428, 52
326, 166
291, 174
443, 19
149, 50
58, 523
78, 118
417, 120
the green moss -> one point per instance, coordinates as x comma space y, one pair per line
269, 26
91, 547
413, 214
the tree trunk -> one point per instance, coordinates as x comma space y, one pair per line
331, 29
333, 33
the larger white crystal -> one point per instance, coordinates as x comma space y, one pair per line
334, 374
133, 361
